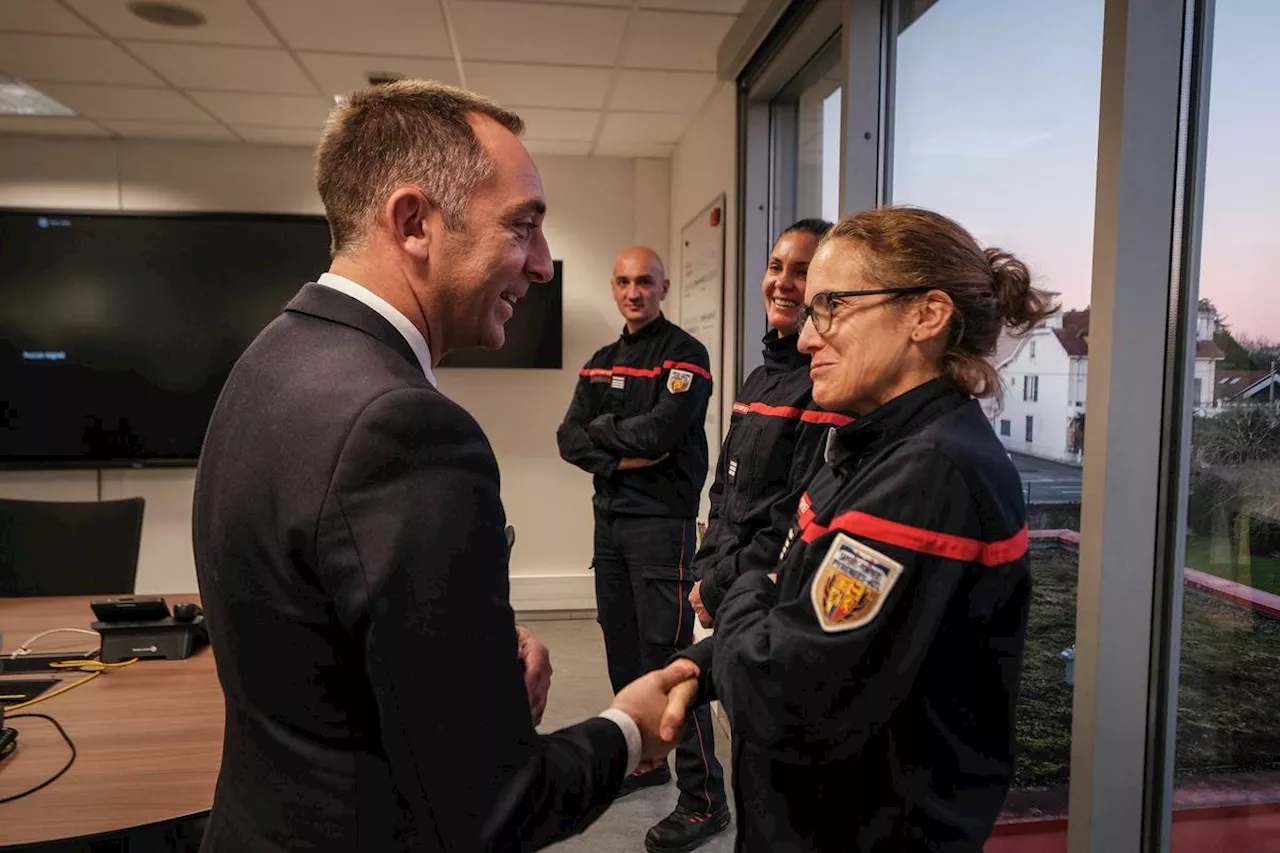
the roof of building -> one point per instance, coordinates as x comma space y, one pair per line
1074, 333
1074, 336
1229, 383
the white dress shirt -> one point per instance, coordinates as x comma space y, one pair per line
418, 343
410, 332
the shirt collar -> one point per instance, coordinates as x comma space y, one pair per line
410, 332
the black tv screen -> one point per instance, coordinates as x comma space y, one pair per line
117, 331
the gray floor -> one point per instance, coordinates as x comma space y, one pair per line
580, 689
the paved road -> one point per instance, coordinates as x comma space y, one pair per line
1049, 482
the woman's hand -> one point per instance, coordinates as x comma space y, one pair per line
700, 610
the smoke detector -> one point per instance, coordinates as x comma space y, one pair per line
167, 14
377, 78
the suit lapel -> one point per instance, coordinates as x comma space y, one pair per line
316, 300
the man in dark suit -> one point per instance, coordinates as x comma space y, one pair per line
348, 528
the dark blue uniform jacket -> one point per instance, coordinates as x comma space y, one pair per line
871, 690
775, 435
644, 395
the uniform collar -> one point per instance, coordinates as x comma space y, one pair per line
903, 415
782, 353
648, 331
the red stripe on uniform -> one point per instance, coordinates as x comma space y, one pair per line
925, 541
792, 413
684, 365
645, 372
810, 416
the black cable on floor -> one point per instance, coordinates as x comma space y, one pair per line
56, 776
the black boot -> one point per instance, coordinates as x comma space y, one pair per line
685, 829
659, 775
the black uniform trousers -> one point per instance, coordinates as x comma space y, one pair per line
643, 579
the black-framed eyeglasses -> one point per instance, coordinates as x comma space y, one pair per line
821, 310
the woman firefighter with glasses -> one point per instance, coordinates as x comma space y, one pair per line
870, 682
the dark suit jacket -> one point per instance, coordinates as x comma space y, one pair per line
352, 564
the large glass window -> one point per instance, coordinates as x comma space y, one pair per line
1227, 757
995, 123
805, 119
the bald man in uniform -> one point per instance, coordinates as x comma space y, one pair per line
637, 424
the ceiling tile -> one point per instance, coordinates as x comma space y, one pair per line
126, 103
560, 125
662, 91
626, 148
232, 69
395, 27
40, 16
557, 147
642, 127
671, 40
71, 59
50, 126
540, 85
170, 130
340, 73
267, 110
227, 22
280, 136
533, 32
721, 7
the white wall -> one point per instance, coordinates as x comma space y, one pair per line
1051, 411
703, 165
597, 207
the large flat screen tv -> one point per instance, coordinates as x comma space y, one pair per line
117, 331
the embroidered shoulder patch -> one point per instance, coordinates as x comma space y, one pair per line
851, 585
679, 381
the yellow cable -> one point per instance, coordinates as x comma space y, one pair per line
99, 668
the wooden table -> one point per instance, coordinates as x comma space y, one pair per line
148, 736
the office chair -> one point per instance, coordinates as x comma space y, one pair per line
69, 548
511, 539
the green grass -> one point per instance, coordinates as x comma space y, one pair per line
1262, 572
1229, 697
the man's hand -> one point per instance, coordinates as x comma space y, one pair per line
630, 463
695, 598
536, 660
679, 701
646, 700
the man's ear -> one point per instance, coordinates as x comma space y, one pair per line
666, 286
413, 221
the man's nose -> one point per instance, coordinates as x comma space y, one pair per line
539, 265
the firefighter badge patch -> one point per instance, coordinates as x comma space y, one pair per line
851, 584
679, 381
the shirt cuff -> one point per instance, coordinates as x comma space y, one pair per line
631, 732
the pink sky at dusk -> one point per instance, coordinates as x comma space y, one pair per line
996, 125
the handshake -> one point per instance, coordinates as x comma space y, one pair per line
659, 702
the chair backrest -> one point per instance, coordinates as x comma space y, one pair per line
69, 548
511, 539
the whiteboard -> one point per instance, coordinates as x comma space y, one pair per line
702, 297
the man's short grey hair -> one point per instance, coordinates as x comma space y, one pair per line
406, 133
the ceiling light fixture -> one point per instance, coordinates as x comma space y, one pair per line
19, 99
167, 14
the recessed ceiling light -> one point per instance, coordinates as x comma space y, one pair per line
19, 99
167, 14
